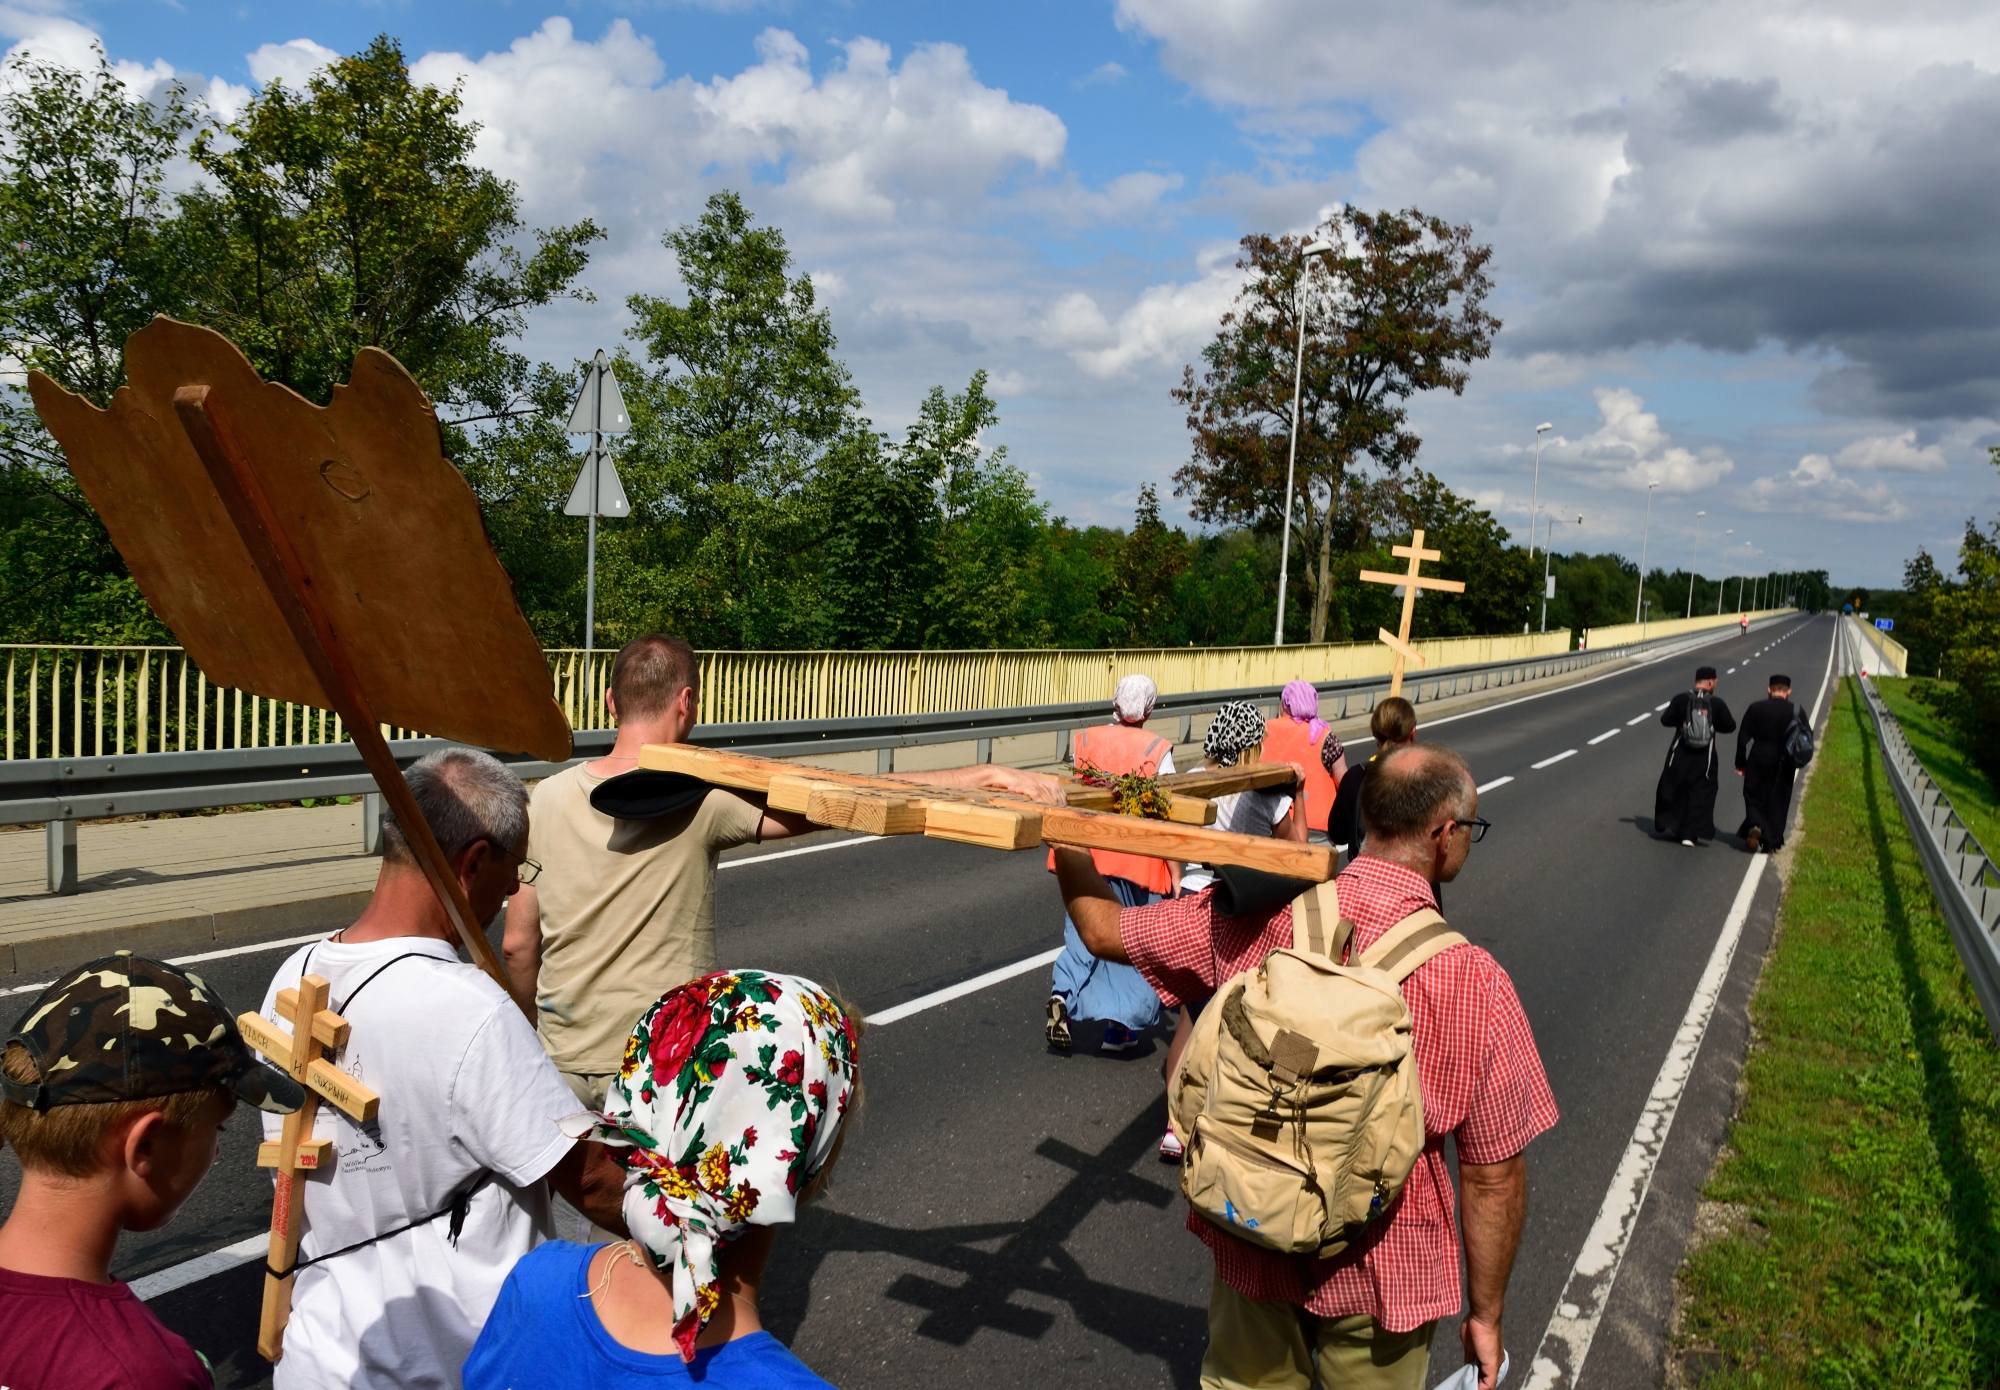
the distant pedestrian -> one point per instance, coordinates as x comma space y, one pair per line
1082, 986
1298, 735
1394, 725
1765, 764
1684, 801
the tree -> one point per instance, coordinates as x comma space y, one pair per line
83, 165
1398, 309
350, 215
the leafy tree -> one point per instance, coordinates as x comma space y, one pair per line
1921, 630
83, 165
1396, 310
1150, 562
350, 215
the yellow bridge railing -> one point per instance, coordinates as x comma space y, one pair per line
86, 701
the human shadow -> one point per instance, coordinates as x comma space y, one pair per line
980, 1284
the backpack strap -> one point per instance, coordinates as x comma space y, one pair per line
1411, 943
1317, 926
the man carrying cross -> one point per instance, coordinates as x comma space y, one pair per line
414, 1219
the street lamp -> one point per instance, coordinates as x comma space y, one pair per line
1316, 247
1722, 584
1535, 498
1693, 559
1548, 577
1639, 598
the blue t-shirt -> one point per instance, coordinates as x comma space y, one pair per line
544, 1334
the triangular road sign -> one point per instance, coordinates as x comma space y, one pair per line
608, 410
611, 499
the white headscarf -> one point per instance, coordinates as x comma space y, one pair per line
1134, 699
730, 1100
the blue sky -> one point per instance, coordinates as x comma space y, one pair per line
1743, 250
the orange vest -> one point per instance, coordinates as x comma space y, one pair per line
1118, 749
1285, 741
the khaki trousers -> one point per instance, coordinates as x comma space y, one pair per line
570, 1223
1253, 1345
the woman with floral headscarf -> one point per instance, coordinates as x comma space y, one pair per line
727, 1114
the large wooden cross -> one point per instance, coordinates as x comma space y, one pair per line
1399, 641
316, 1031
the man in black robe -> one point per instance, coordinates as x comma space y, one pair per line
1766, 768
1684, 804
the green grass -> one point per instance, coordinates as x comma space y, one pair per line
1867, 1153
1937, 743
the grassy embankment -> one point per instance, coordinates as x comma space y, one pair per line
1862, 1178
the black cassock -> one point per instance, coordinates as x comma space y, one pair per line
1684, 804
1767, 772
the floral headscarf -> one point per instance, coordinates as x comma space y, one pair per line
1301, 701
1134, 699
729, 1102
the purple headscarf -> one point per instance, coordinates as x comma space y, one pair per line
1301, 701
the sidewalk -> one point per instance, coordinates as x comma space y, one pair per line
174, 885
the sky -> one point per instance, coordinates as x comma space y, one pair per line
1748, 251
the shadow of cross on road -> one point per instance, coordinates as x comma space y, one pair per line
1031, 1258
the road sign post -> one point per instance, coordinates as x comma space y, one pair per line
599, 410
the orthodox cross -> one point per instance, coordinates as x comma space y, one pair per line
316, 1030
1399, 641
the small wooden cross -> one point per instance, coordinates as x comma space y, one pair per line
1399, 642
296, 1151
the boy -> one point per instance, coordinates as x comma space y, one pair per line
116, 1084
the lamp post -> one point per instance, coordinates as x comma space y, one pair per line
1722, 585
1638, 599
1693, 560
1548, 575
1535, 498
1315, 247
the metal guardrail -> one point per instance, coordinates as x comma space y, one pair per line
1964, 879
59, 792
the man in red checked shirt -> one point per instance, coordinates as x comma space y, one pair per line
1374, 1307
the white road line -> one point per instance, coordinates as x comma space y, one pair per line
960, 990
1485, 787
1730, 672
202, 1267
1639, 720
788, 853
1608, 733
1658, 708
1564, 1346
1550, 762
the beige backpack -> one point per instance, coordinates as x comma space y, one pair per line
1297, 1096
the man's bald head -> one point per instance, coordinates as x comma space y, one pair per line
1406, 791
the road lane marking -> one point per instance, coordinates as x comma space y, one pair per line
1560, 1356
959, 991
1730, 672
201, 1267
1485, 787
1551, 762
789, 853
1658, 708
1608, 733
1639, 720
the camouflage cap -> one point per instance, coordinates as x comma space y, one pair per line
129, 1028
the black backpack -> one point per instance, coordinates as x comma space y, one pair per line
1698, 725
1799, 740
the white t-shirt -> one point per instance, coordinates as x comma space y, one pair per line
1255, 812
465, 1086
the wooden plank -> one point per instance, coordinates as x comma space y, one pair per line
1182, 809
1215, 782
344, 1091
329, 1029
1399, 646
995, 827
1094, 830
865, 811
288, 1199
313, 1153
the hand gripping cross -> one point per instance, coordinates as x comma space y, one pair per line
1399, 641
316, 1029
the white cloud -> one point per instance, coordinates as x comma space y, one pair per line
1631, 449
292, 62
1165, 325
1816, 488
1893, 453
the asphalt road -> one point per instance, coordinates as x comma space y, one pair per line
1000, 1216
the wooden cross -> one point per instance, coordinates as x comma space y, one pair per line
1399, 641
316, 1030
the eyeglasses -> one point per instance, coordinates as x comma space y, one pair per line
1478, 825
525, 869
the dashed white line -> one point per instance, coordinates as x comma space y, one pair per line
1730, 672
960, 990
201, 1267
1657, 708
1550, 762
1639, 720
788, 853
1608, 733
1485, 787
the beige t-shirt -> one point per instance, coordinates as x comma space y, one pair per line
628, 910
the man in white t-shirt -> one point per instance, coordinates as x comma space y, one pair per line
411, 1231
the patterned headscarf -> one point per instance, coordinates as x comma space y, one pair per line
1236, 726
1134, 699
730, 1100
1301, 700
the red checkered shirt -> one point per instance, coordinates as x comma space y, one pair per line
1481, 1077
